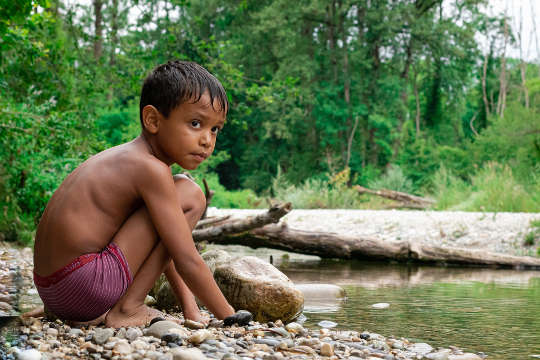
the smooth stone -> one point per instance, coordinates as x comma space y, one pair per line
133, 333
269, 342
187, 354
241, 318
327, 324
466, 356
278, 331
121, 333
30, 354
295, 328
149, 300
101, 335
52, 332
77, 332
170, 337
160, 328
327, 349
140, 345
254, 285
194, 325
380, 305
199, 336
420, 348
439, 355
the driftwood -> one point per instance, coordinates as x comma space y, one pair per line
331, 245
273, 215
211, 221
408, 200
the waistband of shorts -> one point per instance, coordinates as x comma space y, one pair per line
57, 276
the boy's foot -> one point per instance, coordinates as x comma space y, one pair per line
141, 315
97, 321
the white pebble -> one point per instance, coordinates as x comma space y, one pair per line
380, 305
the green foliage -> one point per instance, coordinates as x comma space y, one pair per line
393, 179
494, 188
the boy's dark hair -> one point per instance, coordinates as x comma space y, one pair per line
170, 85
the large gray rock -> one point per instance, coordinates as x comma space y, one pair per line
252, 284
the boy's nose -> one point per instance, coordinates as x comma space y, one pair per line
205, 139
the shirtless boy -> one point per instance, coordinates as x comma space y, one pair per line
121, 218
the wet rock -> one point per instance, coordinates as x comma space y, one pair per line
380, 305
133, 333
160, 328
295, 328
241, 318
101, 336
187, 354
257, 286
327, 324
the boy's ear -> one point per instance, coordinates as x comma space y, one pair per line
151, 118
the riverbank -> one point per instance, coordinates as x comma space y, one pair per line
495, 232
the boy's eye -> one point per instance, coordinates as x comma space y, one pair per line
215, 130
196, 123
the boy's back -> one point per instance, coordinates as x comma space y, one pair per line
90, 206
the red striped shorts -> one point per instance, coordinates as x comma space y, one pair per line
87, 287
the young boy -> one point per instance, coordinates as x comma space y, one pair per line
116, 221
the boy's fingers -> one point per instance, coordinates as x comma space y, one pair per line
241, 317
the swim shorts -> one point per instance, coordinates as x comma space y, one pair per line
87, 287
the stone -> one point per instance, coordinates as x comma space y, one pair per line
133, 333
327, 349
170, 337
149, 300
439, 355
327, 324
102, 335
160, 328
199, 336
139, 345
466, 356
241, 318
380, 305
122, 347
30, 354
420, 348
254, 285
295, 328
52, 332
187, 354
195, 325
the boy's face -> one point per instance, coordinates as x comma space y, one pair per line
188, 136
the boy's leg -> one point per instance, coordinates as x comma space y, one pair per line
147, 257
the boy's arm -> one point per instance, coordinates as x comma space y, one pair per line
190, 309
157, 190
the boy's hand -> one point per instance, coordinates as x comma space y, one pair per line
242, 318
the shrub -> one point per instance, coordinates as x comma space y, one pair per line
393, 179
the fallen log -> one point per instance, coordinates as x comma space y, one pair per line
211, 221
240, 226
405, 198
331, 245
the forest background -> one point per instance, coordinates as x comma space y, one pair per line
418, 96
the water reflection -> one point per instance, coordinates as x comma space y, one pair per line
476, 309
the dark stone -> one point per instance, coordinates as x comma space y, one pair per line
170, 337
364, 336
155, 320
173, 345
242, 318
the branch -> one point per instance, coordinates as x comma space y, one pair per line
273, 215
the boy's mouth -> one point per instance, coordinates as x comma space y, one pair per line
200, 156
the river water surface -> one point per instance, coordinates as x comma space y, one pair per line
479, 310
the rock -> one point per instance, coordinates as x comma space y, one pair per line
439, 355
199, 336
327, 349
195, 325
139, 345
30, 354
295, 328
420, 348
52, 332
149, 300
170, 337
380, 305
241, 318
187, 354
327, 324
466, 356
122, 347
215, 258
101, 335
160, 328
257, 286
133, 333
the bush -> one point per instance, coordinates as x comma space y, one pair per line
393, 179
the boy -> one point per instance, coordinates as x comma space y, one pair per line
116, 221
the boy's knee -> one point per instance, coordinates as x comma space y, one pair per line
191, 195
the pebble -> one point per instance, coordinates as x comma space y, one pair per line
380, 305
420, 348
122, 347
327, 324
160, 328
187, 354
30, 354
133, 333
102, 335
199, 336
195, 325
439, 355
295, 328
327, 349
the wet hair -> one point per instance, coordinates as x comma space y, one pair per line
176, 82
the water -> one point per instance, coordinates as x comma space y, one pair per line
479, 310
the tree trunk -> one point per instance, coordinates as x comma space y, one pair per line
114, 32
98, 28
501, 102
484, 87
396, 195
417, 100
330, 245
